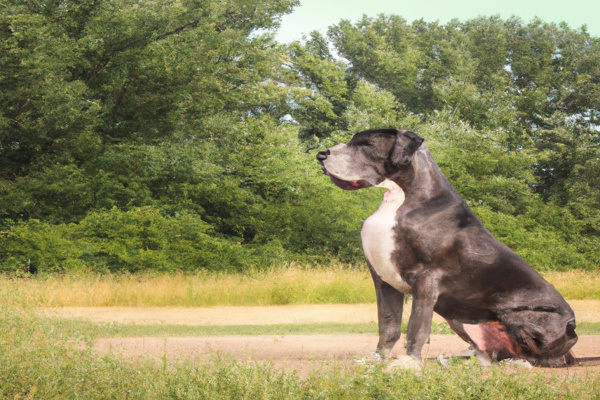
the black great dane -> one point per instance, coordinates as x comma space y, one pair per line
425, 241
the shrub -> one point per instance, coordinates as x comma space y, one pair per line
121, 241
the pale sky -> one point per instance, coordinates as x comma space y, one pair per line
320, 14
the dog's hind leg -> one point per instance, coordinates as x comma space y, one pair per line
390, 304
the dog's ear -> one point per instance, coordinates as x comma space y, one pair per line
405, 146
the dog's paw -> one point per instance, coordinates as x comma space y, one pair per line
523, 364
404, 362
467, 353
374, 358
443, 359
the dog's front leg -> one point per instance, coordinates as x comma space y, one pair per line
390, 304
425, 295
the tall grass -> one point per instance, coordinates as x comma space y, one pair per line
45, 358
291, 285
576, 285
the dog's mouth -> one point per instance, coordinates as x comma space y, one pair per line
346, 185
494, 339
349, 185
537, 346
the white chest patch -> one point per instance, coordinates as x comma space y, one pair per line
377, 236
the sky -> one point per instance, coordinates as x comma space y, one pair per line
320, 14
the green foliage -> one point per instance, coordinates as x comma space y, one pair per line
319, 109
121, 241
536, 83
172, 112
497, 185
163, 115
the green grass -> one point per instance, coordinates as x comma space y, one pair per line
51, 358
45, 358
125, 330
161, 330
588, 328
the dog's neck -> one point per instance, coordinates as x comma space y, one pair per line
423, 179
394, 193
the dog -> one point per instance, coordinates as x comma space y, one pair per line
425, 241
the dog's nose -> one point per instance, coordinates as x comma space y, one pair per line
571, 329
322, 155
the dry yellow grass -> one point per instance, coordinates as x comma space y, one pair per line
576, 285
291, 285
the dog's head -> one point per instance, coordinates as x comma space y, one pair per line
369, 158
543, 334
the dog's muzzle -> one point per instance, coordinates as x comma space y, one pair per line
343, 184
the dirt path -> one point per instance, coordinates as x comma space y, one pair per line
585, 310
302, 353
291, 352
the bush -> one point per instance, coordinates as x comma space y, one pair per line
121, 241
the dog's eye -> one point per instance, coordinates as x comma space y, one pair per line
545, 309
362, 143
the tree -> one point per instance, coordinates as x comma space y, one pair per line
319, 110
156, 114
186, 112
529, 90
122, 105
85, 81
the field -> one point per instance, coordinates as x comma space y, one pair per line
127, 345
291, 285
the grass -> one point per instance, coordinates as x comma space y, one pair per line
588, 328
576, 285
162, 330
292, 285
128, 330
52, 359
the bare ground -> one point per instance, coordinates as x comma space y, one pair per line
301, 353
